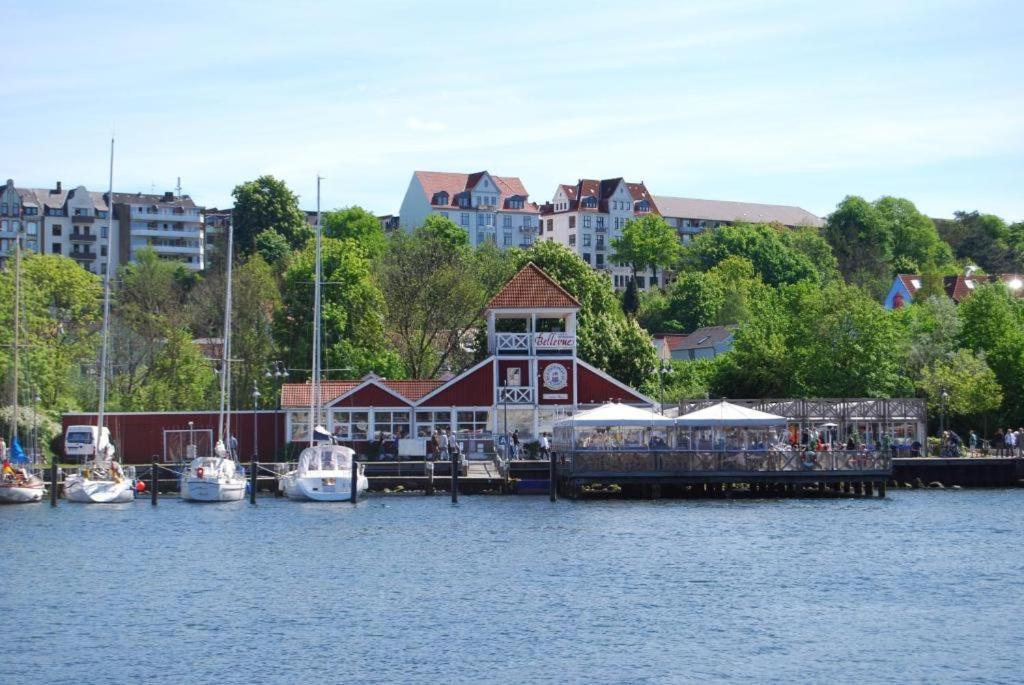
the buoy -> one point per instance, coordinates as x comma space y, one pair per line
140, 486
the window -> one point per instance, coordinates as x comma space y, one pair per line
3, 225
392, 423
350, 425
444, 214
103, 232
473, 422
429, 421
31, 211
464, 218
103, 250
56, 248
15, 225
600, 222
654, 281
572, 239
463, 201
586, 239
586, 221
506, 239
600, 260
586, 257
485, 219
506, 221
3, 208
56, 230
600, 242
299, 425
551, 225
572, 222
528, 221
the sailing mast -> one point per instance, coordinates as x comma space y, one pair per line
17, 341
223, 423
314, 396
106, 300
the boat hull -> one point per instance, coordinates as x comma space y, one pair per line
16, 494
333, 488
87, 491
203, 490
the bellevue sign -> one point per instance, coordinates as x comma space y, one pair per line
554, 341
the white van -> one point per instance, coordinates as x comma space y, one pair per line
80, 442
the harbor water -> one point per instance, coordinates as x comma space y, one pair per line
924, 586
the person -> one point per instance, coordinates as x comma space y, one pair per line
8, 470
433, 447
3, 449
545, 446
233, 443
515, 444
972, 441
445, 443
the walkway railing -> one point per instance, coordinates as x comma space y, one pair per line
699, 461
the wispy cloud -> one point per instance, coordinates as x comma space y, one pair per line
419, 125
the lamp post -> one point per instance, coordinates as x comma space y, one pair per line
278, 373
255, 425
943, 395
191, 440
664, 366
35, 428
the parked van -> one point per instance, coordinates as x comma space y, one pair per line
80, 442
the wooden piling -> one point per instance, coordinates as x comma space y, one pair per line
53, 482
429, 467
154, 483
353, 491
552, 478
254, 468
869, 488
881, 489
456, 458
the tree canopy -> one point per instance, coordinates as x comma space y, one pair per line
646, 243
266, 204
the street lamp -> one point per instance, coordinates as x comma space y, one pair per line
944, 396
278, 373
191, 440
664, 366
255, 426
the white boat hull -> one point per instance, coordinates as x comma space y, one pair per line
209, 490
15, 494
322, 488
87, 491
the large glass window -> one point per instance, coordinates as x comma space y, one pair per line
394, 423
473, 422
429, 421
350, 425
299, 424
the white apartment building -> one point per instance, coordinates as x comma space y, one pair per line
488, 208
76, 223
691, 216
588, 215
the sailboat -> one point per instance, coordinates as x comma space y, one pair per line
17, 485
218, 478
324, 471
103, 480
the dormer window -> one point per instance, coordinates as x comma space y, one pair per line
589, 202
440, 198
463, 200
514, 202
643, 206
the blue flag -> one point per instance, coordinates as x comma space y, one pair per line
18, 455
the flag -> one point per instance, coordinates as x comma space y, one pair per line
18, 455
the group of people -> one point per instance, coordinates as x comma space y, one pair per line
11, 474
442, 446
1010, 440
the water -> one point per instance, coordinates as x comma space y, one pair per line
922, 587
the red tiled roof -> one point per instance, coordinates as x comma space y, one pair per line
434, 182
601, 191
297, 394
532, 288
708, 336
958, 288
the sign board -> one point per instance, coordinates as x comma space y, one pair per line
554, 341
556, 396
412, 447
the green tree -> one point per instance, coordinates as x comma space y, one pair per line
809, 242
631, 297
357, 224
684, 380
694, 299
267, 204
355, 340
273, 248
970, 384
445, 232
763, 246
983, 239
988, 318
177, 378
932, 330
741, 288
646, 243
913, 237
862, 243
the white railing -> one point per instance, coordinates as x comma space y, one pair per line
512, 342
515, 395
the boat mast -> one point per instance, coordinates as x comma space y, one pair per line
17, 341
225, 363
106, 297
314, 396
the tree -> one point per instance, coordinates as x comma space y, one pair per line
355, 341
631, 297
684, 380
912, 235
267, 204
741, 288
988, 318
932, 329
762, 245
606, 338
809, 242
646, 243
862, 244
693, 300
983, 239
177, 377
273, 248
357, 224
445, 232
970, 384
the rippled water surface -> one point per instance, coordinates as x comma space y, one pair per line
925, 586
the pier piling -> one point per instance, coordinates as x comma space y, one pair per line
154, 483
429, 468
553, 478
253, 475
54, 473
881, 489
455, 477
353, 491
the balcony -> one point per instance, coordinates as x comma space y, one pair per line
539, 343
601, 229
165, 215
83, 237
515, 395
177, 232
86, 256
82, 219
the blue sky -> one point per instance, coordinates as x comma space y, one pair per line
788, 102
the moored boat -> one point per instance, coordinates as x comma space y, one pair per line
324, 474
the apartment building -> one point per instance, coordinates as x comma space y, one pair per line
489, 208
170, 224
588, 215
690, 216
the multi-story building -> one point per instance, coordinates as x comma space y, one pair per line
588, 215
170, 224
215, 223
487, 207
690, 216
76, 222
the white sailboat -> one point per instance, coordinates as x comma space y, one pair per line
102, 480
324, 472
17, 485
218, 478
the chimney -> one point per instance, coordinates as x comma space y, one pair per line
168, 196
57, 190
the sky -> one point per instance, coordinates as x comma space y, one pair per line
795, 102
